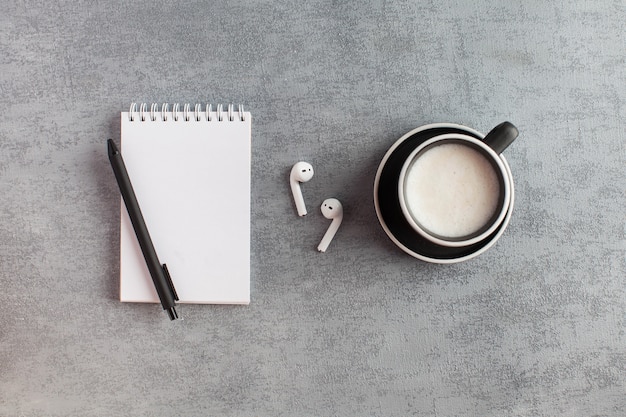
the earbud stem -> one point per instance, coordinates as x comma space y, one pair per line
329, 235
298, 198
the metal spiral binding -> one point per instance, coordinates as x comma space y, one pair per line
141, 113
153, 110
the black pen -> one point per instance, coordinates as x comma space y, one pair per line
160, 275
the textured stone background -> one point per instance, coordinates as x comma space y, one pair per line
533, 327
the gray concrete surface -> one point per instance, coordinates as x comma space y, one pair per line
533, 327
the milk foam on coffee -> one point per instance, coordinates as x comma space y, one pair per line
452, 190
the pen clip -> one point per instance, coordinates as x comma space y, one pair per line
169, 282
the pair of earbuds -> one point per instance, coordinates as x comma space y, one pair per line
331, 207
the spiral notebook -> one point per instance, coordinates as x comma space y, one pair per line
190, 169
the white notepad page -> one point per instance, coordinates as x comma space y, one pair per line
192, 181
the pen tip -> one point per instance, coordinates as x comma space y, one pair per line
112, 148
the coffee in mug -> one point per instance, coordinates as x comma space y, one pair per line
451, 190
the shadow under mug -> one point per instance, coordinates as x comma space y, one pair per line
484, 168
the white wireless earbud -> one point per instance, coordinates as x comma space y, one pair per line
331, 209
301, 172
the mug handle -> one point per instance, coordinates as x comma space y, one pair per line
501, 136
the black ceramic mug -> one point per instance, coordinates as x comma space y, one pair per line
444, 193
